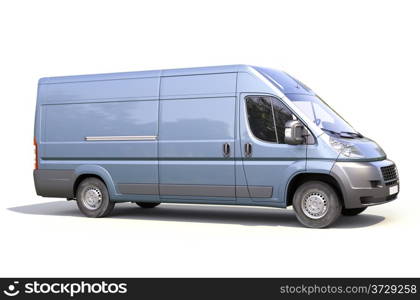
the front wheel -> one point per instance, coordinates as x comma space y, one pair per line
352, 211
316, 204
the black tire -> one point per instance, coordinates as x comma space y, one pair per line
352, 211
101, 205
147, 204
323, 210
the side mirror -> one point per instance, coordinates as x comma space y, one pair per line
294, 133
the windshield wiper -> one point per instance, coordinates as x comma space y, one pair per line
331, 131
344, 134
357, 134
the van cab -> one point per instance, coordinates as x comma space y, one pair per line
233, 135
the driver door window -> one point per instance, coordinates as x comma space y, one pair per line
267, 117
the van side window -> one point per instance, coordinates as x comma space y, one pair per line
267, 117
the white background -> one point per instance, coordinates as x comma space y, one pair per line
362, 57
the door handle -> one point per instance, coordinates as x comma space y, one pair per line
226, 150
248, 150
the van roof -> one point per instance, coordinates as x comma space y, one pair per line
145, 74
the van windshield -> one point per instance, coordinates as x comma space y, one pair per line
323, 115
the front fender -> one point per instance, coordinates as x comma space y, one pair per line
313, 166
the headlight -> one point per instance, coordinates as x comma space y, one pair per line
340, 147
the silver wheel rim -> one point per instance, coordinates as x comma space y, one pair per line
92, 198
315, 205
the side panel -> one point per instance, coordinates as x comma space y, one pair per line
197, 117
187, 86
107, 112
103, 90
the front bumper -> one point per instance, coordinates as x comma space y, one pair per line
363, 183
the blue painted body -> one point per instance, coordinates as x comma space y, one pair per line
192, 112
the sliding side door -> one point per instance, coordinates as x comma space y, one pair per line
196, 138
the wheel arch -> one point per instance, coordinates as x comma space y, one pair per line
99, 172
301, 178
82, 177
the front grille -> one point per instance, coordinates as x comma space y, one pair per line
390, 175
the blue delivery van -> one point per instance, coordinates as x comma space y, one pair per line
234, 135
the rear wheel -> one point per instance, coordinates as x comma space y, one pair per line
352, 211
147, 204
93, 199
316, 204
